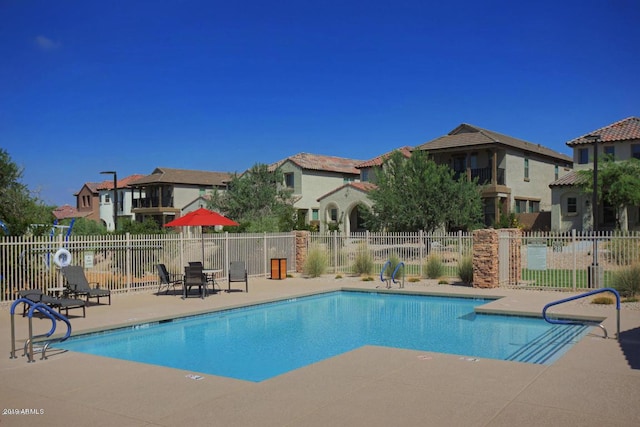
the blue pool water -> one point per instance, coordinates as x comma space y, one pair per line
259, 342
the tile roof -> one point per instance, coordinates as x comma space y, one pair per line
92, 186
320, 162
406, 151
183, 176
67, 211
568, 180
122, 183
622, 130
467, 135
364, 187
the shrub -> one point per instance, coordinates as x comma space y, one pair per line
465, 269
602, 300
316, 263
434, 268
364, 261
367, 279
627, 281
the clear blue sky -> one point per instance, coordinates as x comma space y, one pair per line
87, 86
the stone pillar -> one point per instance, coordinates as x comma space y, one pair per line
487, 257
486, 273
302, 243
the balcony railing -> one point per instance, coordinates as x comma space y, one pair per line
484, 175
153, 202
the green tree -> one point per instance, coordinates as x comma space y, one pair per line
148, 226
618, 185
19, 210
257, 200
417, 194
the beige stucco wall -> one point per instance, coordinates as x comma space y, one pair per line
582, 221
541, 174
622, 152
310, 185
345, 200
561, 220
184, 196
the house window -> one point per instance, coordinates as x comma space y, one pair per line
583, 156
610, 152
314, 215
364, 175
288, 180
635, 151
334, 214
534, 206
526, 169
556, 172
521, 206
572, 205
107, 198
347, 179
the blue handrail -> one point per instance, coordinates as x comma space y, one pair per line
48, 312
51, 314
577, 322
384, 267
395, 271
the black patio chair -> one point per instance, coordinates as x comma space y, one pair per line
78, 285
62, 303
167, 279
194, 276
238, 273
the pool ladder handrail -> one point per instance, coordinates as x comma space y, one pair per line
395, 271
47, 312
382, 278
388, 280
585, 322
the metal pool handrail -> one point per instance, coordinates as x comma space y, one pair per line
395, 271
577, 322
47, 312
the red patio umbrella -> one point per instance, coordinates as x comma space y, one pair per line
204, 218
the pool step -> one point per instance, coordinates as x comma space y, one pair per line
546, 347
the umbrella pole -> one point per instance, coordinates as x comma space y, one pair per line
202, 238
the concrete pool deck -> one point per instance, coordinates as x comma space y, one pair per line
595, 383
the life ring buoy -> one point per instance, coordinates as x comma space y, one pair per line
62, 258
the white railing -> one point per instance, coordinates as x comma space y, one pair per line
125, 263
411, 248
562, 260
558, 261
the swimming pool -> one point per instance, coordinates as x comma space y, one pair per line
259, 342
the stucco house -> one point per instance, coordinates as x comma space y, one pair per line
94, 201
125, 200
572, 208
340, 206
310, 176
168, 193
514, 174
